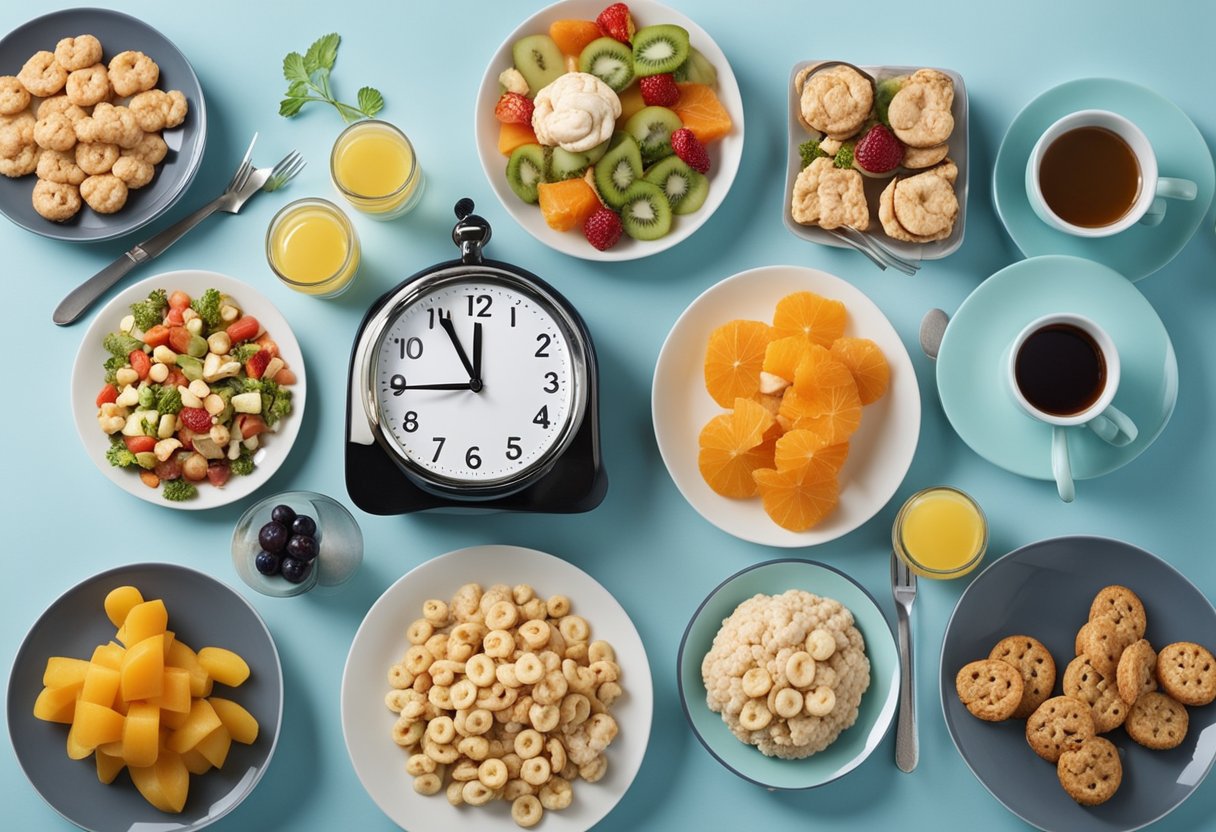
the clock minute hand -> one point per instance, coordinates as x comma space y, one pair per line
450, 329
477, 353
457, 385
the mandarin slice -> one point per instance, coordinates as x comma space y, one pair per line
812, 316
835, 422
818, 376
868, 365
733, 445
800, 498
802, 447
701, 112
783, 355
733, 360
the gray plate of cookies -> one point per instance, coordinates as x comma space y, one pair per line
1074, 688
909, 125
102, 125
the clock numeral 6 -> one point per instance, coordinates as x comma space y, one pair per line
410, 423
471, 457
542, 417
438, 440
551, 386
543, 350
514, 451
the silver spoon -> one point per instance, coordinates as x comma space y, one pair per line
932, 328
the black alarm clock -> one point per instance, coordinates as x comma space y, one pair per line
474, 385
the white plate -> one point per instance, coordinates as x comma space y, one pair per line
88, 376
724, 155
880, 451
380, 642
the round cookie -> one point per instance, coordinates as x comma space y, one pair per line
1083, 682
920, 113
1036, 665
1078, 646
42, 75
56, 166
16, 132
925, 204
1122, 606
1187, 672
88, 86
56, 201
837, 101
1156, 721
14, 97
20, 163
1060, 723
1091, 772
990, 688
1137, 671
132, 72
918, 158
105, 193
1104, 645
78, 52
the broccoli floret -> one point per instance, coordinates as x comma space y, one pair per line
113, 364
884, 93
243, 352
169, 400
120, 345
242, 465
148, 313
207, 305
809, 151
147, 397
179, 490
119, 455
276, 403
844, 156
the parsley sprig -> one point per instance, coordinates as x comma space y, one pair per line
308, 76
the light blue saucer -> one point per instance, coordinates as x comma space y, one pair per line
1181, 152
972, 380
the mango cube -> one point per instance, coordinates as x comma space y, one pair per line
108, 766
100, 685
195, 762
141, 735
175, 691
143, 668
57, 704
120, 601
239, 722
109, 655
180, 655
224, 666
61, 671
200, 722
165, 784
144, 621
95, 724
215, 746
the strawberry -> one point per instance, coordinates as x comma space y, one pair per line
256, 365
195, 419
602, 229
659, 90
878, 151
513, 108
689, 148
615, 22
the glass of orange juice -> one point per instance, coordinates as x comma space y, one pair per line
374, 167
312, 247
940, 533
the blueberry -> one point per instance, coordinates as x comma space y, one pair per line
267, 563
301, 547
295, 570
305, 525
282, 514
273, 537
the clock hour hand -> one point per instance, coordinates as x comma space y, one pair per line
458, 385
450, 329
477, 353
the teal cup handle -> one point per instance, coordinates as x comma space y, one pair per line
1169, 188
1061, 467
1114, 426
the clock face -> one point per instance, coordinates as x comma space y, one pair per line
494, 413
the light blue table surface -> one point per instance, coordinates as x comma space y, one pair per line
64, 522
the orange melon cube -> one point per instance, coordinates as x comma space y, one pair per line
172, 720
195, 762
95, 724
180, 655
702, 113
57, 704
200, 722
166, 784
144, 621
143, 669
109, 655
511, 136
108, 766
61, 672
120, 601
572, 36
239, 722
567, 204
215, 746
631, 102
224, 666
100, 685
141, 735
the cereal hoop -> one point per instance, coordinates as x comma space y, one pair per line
380, 641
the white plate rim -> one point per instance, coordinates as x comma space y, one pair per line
676, 433
87, 378
725, 155
486, 564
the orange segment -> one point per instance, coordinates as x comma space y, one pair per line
701, 112
835, 422
818, 375
799, 498
734, 359
783, 356
567, 204
572, 35
866, 362
511, 136
802, 447
732, 446
805, 313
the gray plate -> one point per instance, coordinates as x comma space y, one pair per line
1044, 590
117, 32
202, 612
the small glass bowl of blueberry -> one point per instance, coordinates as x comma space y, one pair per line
291, 542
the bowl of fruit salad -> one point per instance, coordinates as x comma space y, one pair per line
188, 390
609, 132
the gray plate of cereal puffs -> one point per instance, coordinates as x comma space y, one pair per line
882, 149
102, 125
1128, 714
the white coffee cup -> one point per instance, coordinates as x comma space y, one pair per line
1101, 417
1147, 209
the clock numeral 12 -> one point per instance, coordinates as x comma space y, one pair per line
483, 305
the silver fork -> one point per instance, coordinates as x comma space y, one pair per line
879, 254
246, 182
903, 588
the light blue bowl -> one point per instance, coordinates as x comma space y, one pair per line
877, 710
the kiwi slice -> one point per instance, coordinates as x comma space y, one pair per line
645, 212
659, 49
539, 60
697, 69
526, 170
684, 188
618, 169
562, 164
609, 60
652, 127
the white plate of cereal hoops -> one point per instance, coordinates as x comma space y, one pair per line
1130, 641
564, 760
824, 697
183, 414
78, 80
562, 99
806, 450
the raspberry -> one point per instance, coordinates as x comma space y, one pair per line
602, 229
513, 108
689, 148
615, 22
878, 151
659, 90
195, 419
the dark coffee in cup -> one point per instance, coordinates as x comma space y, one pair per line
1060, 370
1089, 177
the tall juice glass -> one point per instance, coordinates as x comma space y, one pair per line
940, 533
374, 167
312, 247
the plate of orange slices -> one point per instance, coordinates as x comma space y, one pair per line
785, 406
